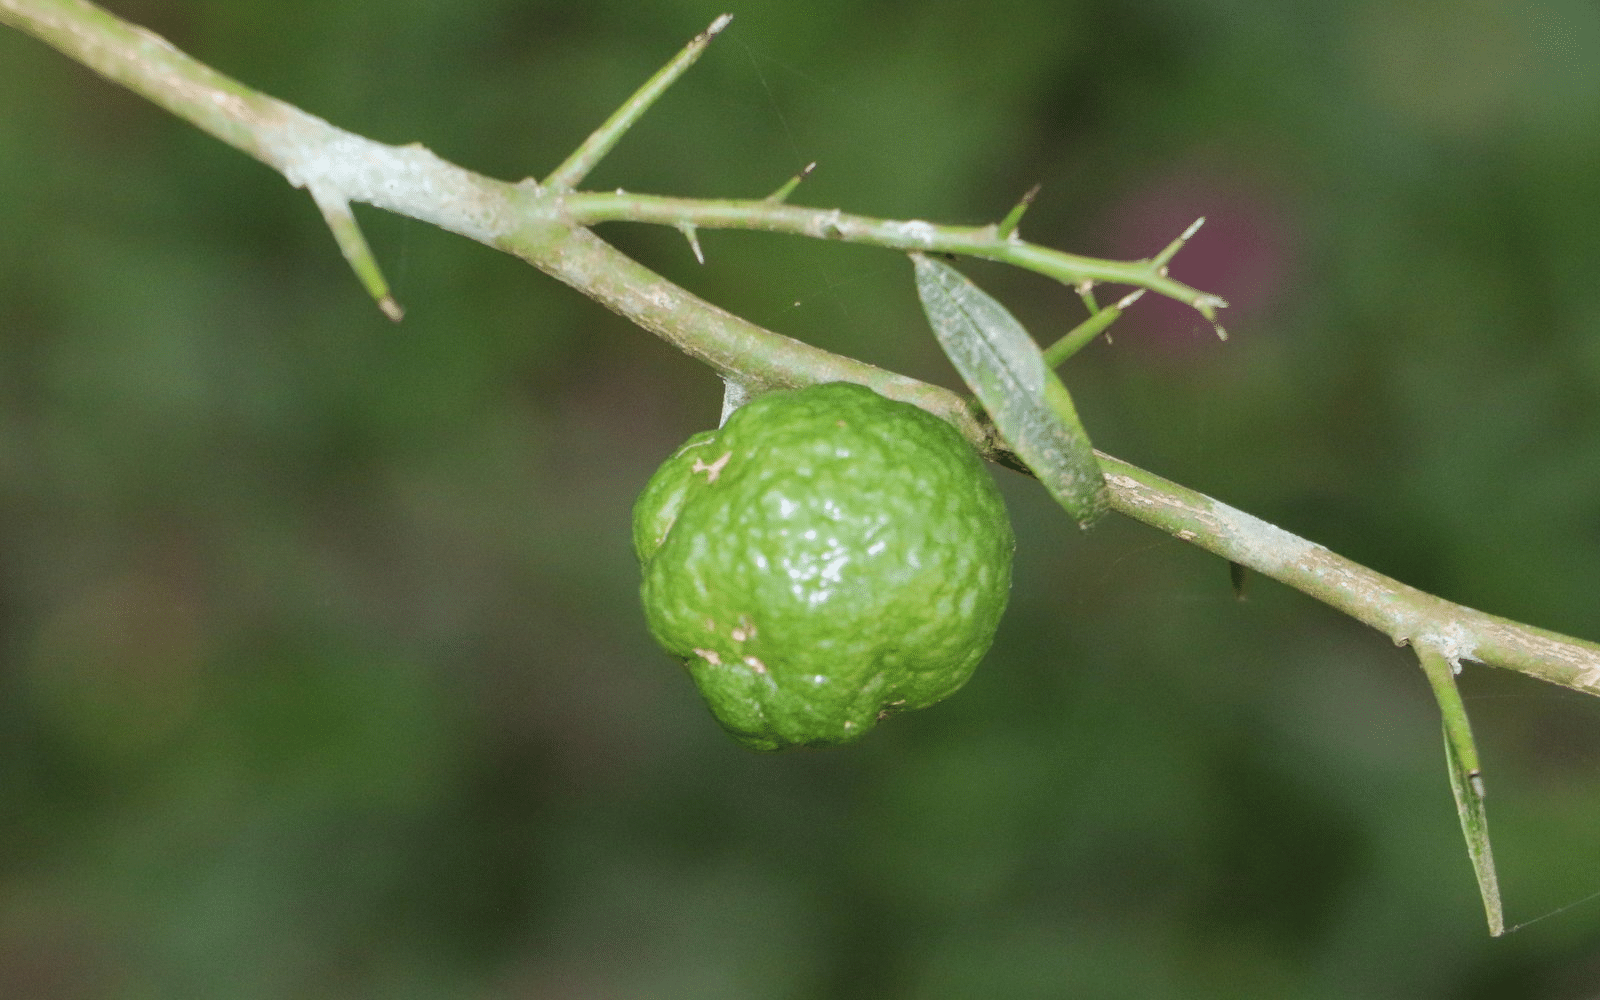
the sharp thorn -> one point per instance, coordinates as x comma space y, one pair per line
592, 150
353, 247
1160, 259
693, 237
1008, 225
778, 196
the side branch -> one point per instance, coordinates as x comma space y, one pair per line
991, 242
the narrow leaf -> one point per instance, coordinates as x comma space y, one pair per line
1006, 371
1466, 781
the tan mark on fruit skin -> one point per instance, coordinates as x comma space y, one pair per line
710, 656
755, 664
713, 470
746, 629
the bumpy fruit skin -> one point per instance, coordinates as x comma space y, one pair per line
825, 558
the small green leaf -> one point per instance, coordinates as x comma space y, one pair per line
1007, 372
1466, 780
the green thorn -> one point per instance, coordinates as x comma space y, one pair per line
691, 234
1008, 225
583, 159
1081, 335
1161, 259
336, 213
779, 196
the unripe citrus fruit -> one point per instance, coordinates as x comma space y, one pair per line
826, 557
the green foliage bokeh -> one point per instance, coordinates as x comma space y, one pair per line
321, 666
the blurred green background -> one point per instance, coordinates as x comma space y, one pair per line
321, 668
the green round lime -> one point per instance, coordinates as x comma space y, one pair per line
826, 557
